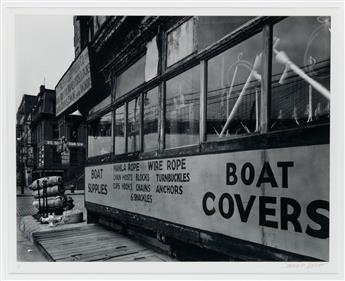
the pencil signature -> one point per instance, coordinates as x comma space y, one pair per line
306, 265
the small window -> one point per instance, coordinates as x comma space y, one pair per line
131, 78
233, 90
183, 109
100, 139
133, 125
39, 132
300, 94
55, 131
73, 132
180, 42
151, 120
120, 145
61, 130
56, 155
73, 156
211, 29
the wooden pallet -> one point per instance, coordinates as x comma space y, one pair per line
93, 243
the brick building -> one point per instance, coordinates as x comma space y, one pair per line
39, 135
24, 141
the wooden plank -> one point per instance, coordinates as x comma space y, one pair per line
112, 244
92, 243
71, 239
85, 241
81, 247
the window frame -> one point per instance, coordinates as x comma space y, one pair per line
269, 82
169, 31
142, 135
140, 96
125, 128
263, 87
164, 110
94, 117
257, 25
125, 95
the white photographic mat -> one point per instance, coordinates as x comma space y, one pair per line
20, 75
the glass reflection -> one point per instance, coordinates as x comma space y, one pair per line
100, 136
300, 72
151, 120
233, 90
183, 109
120, 130
211, 29
180, 42
133, 125
131, 78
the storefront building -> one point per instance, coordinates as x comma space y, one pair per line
51, 155
197, 124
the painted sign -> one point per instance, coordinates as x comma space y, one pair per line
75, 83
70, 144
275, 197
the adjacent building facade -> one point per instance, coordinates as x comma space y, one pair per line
46, 145
24, 148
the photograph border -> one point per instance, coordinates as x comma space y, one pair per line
151, 270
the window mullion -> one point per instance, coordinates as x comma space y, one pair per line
141, 125
162, 116
265, 100
113, 129
203, 100
126, 126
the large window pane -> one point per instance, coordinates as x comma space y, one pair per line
233, 90
304, 42
120, 146
133, 125
131, 78
211, 29
180, 42
182, 109
151, 64
98, 21
151, 120
100, 139
100, 106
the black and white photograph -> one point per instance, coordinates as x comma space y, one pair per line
174, 138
